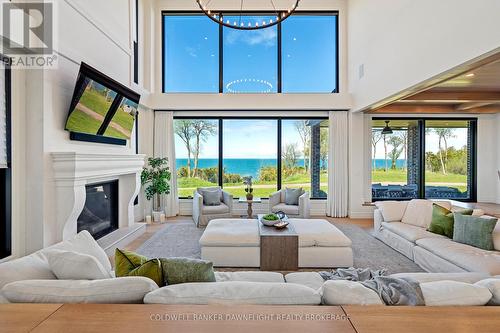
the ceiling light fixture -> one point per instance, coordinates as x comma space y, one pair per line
387, 129
469, 75
217, 15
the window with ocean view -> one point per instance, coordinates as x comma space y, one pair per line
250, 147
423, 158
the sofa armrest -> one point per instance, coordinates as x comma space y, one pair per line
228, 200
377, 220
274, 199
304, 205
197, 206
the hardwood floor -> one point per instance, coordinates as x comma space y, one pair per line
145, 318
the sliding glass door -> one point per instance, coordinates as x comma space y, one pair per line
430, 158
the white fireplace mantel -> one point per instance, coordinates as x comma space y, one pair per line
72, 171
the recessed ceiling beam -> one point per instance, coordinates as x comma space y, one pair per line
433, 109
472, 105
456, 96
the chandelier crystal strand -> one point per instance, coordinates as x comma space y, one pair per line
239, 24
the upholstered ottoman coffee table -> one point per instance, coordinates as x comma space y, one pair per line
236, 243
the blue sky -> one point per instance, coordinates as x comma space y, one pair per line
250, 58
246, 139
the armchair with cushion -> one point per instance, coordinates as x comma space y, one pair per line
211, 203
278, 202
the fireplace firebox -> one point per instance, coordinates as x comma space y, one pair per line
100, 213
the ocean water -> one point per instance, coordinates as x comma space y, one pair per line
241, 166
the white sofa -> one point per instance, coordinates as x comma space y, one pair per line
236, 243
30, 279
403, 226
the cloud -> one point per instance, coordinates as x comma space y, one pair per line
266, 37
191, 51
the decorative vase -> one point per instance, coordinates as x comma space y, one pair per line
157, 216
249, 196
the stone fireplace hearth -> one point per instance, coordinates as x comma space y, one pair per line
74, 171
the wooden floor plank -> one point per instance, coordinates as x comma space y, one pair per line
409, 319
24, 317
144, 318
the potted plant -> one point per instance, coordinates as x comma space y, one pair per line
249, 190
156, 178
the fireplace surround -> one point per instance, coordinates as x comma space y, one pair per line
73, 172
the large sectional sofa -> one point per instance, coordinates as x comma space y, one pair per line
30, 280
403, 226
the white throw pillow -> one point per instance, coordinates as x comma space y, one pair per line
418, 213
234, 292
31, 267
68, 265
343, 292
309, 279
83, 242
493, 286
392, 211
116, 290
496, 236
453, 293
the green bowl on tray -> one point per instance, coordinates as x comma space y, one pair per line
269, 220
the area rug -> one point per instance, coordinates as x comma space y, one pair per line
181, 240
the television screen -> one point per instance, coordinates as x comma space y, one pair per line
101, 106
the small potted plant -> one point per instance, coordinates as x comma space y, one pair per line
248, 189
156, 178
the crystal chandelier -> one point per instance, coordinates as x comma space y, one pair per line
237, 21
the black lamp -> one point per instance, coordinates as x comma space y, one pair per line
387, 129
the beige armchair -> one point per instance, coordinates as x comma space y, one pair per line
277, 203
202, 213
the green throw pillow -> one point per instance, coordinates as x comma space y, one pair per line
443, 220
475, 231
184, 270
128, 263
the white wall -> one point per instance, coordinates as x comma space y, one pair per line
497, 143
100, 34
404, 42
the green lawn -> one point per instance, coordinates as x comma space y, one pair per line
399, 176
186, 186
83, 123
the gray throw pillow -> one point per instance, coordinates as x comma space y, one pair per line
211, 198
185, 270
475, 231
292, 196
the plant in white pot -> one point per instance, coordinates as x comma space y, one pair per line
156, 178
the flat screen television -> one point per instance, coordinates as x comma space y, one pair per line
102, 109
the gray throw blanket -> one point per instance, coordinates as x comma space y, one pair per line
392, 291
352, 274
396, 291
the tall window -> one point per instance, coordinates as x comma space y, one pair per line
201, 56
191, 54
197, 154
423, 158
304, 155
5, 162
309, 54
252, 147
447, 159
250, 58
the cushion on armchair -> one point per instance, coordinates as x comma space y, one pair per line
292, 196
211, 197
